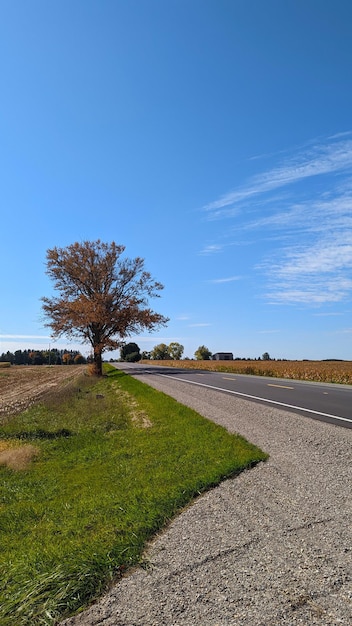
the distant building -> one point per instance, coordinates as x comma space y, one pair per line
222, 356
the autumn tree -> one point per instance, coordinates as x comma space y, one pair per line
102, 298
79, 359
36, 357
67, 358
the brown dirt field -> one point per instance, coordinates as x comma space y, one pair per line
23, 385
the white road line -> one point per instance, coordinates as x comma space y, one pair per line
246, 395
281, 386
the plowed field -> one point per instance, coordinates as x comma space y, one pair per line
21, 386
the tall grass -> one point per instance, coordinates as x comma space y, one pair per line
116, 461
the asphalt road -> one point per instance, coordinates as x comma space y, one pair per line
326, 402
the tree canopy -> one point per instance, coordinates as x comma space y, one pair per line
102, 298
160, 352
43, 357
175, 350
202, 353
130, 352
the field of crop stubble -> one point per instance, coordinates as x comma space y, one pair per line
22, 385
319, 371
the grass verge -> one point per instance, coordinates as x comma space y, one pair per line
113, 463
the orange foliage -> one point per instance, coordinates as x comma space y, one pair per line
102, 298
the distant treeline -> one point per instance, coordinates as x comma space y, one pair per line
44, 357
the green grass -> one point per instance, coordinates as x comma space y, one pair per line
100, 487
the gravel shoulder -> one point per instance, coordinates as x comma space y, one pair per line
272, 546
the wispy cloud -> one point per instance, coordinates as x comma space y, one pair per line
343, 134
319, 272
211, 249
217, 281
25, 337
324, 158
329, 314
311, 290
323, 258
153, 339
198, 325
303, 208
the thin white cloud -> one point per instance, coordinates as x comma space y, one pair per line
25, 337
343, 134
198, 325
325, 158
224, 280
310, 290
328, 314
154, 339
211, 249
319, 259
308, 226
317, 273
293, 219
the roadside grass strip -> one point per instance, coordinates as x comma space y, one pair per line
115, 461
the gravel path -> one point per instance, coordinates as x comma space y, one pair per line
272, 546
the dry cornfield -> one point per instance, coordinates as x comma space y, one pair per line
318, 371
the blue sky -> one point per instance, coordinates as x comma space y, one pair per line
211, 137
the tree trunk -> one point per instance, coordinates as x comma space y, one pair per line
98, 363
